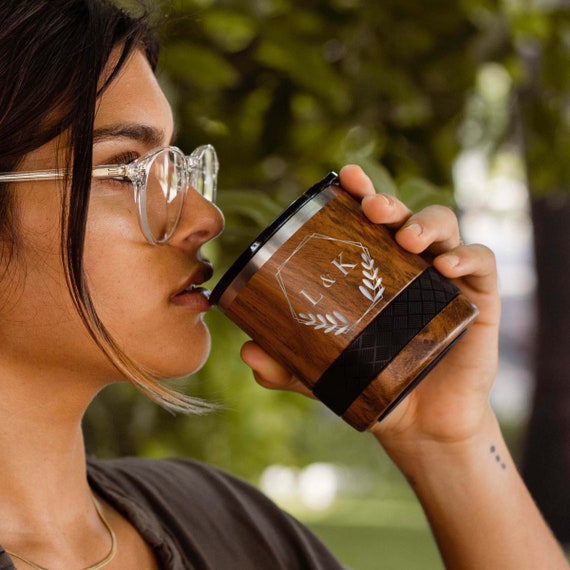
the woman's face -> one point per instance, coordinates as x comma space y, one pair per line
137, 289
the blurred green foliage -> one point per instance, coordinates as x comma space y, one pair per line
542, 38
287, 91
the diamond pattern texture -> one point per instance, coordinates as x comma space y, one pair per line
380, 342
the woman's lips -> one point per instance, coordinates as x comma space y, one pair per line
194, 297
191, 294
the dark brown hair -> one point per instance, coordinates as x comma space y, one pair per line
53, 54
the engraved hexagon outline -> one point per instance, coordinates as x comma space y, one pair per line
371, 288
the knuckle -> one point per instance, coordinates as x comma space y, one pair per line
489, 254
486, 254
439, 214
445, 212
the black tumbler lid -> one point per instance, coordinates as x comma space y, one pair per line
226, 279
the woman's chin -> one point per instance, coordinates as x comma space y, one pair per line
185, 364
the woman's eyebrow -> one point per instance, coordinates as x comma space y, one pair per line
144, 134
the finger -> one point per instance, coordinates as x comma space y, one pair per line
474, 264
355, 181
385, 209
379, 208
268, 372
434, 229
473, 269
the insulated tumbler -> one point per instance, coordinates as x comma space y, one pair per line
335, 300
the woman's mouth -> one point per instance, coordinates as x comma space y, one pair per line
192, 295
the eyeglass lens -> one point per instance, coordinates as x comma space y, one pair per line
165, 191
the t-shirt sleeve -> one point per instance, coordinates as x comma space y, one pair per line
211, 519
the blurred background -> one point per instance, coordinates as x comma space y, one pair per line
464, 103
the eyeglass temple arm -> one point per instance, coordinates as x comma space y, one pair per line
31, 176
104, 171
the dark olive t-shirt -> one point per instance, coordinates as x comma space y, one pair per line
196, 517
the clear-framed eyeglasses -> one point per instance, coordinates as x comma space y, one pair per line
160, 180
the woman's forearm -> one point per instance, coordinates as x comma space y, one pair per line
480, 511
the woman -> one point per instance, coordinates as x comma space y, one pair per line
99, 288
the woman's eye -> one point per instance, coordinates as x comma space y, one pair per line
112, 184
125, 157
120, 181
121, 158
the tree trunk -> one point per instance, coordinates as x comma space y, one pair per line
546, 457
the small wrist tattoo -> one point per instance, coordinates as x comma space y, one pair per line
498, 459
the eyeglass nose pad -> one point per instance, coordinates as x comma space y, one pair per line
202, 166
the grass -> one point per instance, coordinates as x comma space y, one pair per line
373, 548
387, 532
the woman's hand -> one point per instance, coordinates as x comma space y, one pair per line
443, 435
452, 402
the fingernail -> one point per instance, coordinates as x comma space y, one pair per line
451, 259
415, 228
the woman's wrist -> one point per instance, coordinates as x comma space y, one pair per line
416, 454
480, 512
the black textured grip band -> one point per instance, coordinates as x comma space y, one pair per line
383, 338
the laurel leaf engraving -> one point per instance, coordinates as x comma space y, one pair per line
379, 294
366, 293
371, 286
327, 323
341, 317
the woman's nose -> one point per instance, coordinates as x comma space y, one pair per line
200, 221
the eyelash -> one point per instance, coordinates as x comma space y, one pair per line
125, 158
121, 181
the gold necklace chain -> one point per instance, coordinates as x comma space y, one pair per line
95, 566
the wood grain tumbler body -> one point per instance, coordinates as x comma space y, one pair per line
334, 299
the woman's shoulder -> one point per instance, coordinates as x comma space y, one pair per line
203, 505
178, 478
157, 471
